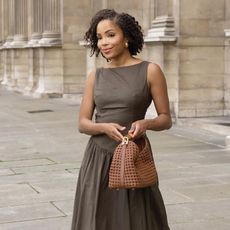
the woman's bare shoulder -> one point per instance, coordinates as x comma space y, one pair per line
155, 73
154, 68
91, 76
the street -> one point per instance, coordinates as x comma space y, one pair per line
41, 152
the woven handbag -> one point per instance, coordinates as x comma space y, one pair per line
132, 165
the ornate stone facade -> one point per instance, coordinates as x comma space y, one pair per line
41, 52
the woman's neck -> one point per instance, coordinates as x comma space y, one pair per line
124, 60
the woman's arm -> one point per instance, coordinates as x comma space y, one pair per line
85, 124
157, 84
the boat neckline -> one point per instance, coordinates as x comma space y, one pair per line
125, 66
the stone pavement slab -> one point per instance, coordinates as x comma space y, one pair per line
202, 211
60, 223
218, 224
21, 213
41, 153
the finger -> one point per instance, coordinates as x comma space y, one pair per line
133, 127
114, 136
117, 135
122, 128
135, 134
137, 131
119, 127
132, 130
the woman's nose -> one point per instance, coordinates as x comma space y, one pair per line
104, 41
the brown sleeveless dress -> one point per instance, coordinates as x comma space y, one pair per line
121, 96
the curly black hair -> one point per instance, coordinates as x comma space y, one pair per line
128, 24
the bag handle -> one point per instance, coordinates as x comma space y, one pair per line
126, 139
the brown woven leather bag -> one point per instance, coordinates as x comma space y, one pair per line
132, 165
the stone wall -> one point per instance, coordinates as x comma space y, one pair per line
227, 76
201, 69
41, 50
30, 46
1, 67
75, 22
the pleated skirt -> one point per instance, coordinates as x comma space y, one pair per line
97, 207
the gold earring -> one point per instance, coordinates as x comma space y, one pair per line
126, 45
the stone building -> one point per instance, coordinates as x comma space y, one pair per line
42, 53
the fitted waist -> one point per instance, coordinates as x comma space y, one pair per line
105, 142
125, 120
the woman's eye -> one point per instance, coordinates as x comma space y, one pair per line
111, 35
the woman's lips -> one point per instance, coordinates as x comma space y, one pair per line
106, 51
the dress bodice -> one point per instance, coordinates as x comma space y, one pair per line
121, 94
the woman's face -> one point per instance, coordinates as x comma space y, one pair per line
111, 40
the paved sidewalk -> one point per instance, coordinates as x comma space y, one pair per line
41, 151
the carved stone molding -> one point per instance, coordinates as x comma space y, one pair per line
8, 22
227, 32
20, 24
37, 22
162, 29
51, 35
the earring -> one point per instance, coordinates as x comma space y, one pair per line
126, 45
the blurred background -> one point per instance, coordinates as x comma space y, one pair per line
42, 52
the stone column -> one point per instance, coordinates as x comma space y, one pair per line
164, 7
1, 24
50, 82
7, 68
227, 74
148, 9
37, 22
1, 42
161, 8
51, 23
90, 61
159, 42
1, 75
21, 23
162, 29
104, 4
7, 31
8, 22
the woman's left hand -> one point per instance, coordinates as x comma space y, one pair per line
137, 129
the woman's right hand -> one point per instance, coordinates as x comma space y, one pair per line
113, 130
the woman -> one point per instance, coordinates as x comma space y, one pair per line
120, 93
